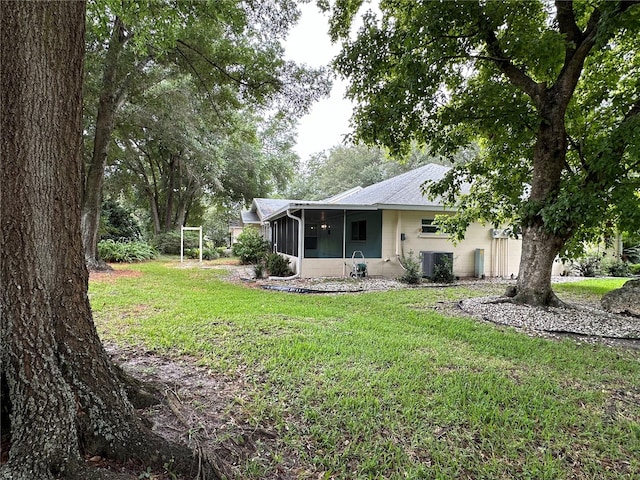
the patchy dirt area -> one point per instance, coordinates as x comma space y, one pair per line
112, 275
205, 411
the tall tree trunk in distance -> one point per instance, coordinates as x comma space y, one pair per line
111, 98
65, 397
173, 173
155, 215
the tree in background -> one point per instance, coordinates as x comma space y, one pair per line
343, 167
117, 222
166, 152
63, 395
173, 155
231, 50
217, 220
550, 91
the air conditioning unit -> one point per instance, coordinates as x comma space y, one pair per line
500, 232
431, 259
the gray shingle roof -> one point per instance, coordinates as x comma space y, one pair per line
404, 189
249, 216
262, 208
266, 206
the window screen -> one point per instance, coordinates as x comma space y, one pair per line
359, 231
428, 226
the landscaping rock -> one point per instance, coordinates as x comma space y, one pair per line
624, 300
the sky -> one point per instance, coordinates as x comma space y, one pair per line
328, 120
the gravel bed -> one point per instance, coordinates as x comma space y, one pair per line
580, 320
365, 284
334, 285
587, 322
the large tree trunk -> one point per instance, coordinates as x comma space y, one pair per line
111, 98
65, 397
539, 250
539, 244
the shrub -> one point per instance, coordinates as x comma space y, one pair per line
277, 265
117, 222
258, 270
635, 269
588, 266
615, 267
207, 253
127, 252
169, 242
632, 254
250, 247
411, 267
443, 271
210, 254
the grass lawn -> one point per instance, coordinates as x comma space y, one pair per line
380, 385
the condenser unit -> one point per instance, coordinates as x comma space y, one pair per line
431, 259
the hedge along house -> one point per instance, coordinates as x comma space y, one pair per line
385, 222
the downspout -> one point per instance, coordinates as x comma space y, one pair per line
300, 250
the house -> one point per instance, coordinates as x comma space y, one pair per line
384, 222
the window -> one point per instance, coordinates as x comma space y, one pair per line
359, 231
428, 226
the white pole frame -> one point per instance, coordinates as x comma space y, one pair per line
199, 229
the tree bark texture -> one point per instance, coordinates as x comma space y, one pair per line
112, 96
65, 397
539, 245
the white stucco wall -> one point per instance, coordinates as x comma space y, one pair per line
501, 256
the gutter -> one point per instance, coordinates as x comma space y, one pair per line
300, 249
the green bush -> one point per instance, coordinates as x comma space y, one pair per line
258, 270
634, 269
443, 271
277, 265
588, 266
615, 267
250, 247
207, 253
411, 267
118, 222
126, 252
210, 254
169, 242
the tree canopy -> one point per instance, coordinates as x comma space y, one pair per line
343, 167
186, 86
550, 92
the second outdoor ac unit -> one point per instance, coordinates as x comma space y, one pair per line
431, 259
500, 232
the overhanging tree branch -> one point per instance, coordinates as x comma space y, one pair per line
239, 81
568, 27
517, 76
